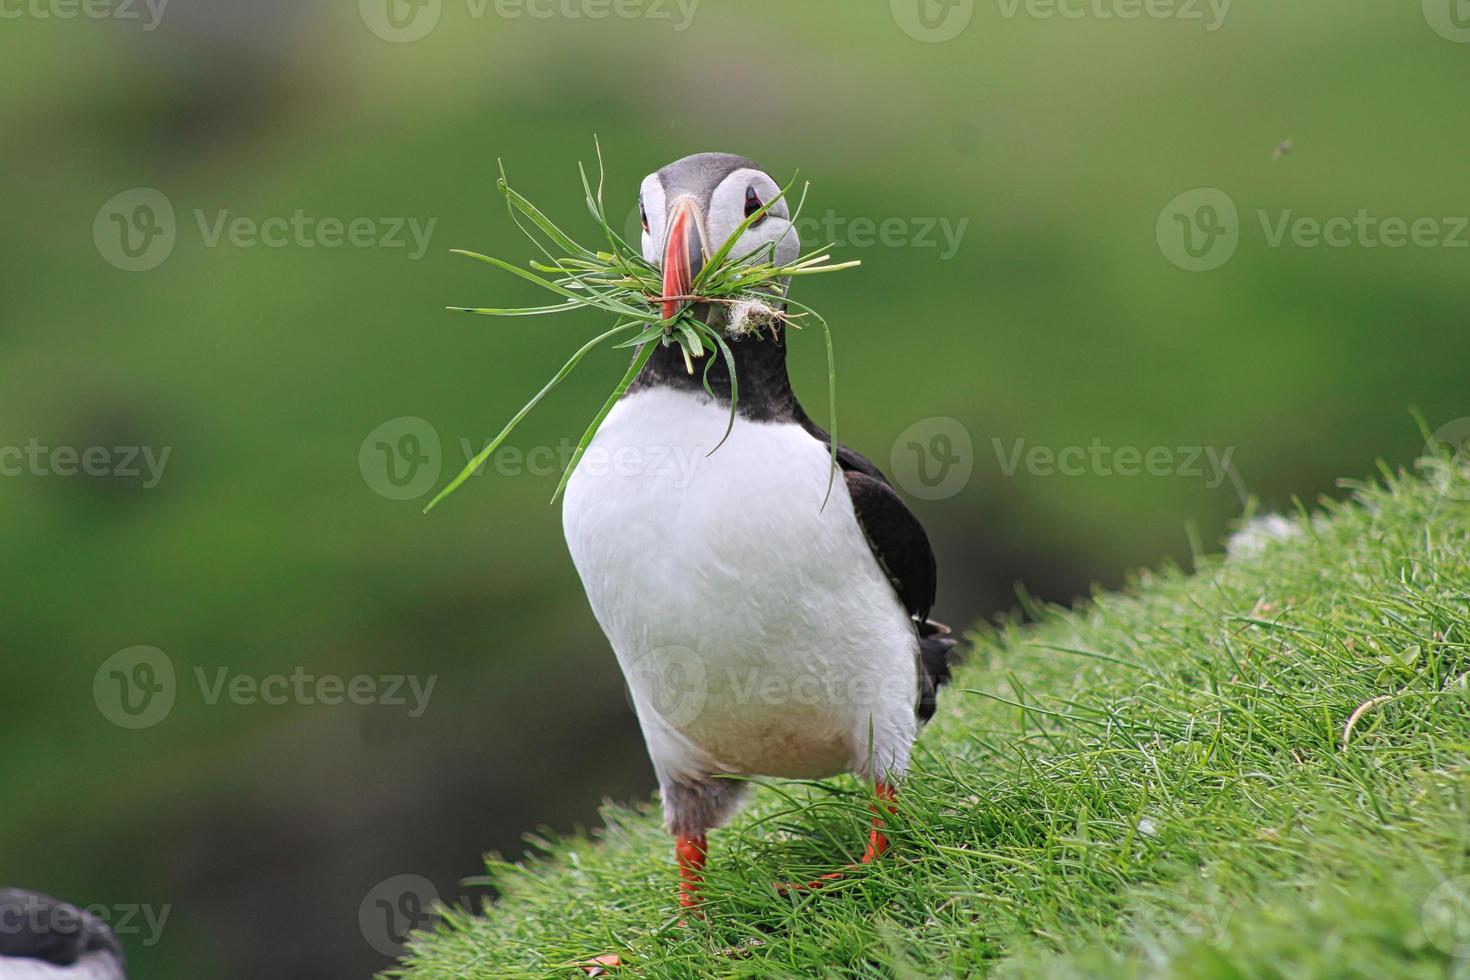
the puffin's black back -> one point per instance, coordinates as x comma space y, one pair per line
39, 927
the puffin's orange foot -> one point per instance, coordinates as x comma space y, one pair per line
599, 965
877, 845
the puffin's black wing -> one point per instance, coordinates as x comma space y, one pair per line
897, 539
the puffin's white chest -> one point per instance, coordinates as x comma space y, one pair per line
756, 630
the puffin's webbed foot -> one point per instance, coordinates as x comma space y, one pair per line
877, 845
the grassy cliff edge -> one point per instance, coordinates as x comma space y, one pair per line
1259, 769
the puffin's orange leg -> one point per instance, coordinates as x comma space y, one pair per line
690, 852
877, 842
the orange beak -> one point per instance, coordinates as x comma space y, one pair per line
683, 257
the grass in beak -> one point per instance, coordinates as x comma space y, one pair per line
618, 281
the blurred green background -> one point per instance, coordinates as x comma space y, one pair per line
1060, 319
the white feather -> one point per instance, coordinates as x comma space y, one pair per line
1257, 533
755, 628
91, 966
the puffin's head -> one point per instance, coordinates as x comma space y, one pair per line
690, 208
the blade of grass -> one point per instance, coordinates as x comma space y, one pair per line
620, 309
656, 332
734, 382
494, 444
831, 392
515, 201
516, 310
639, 359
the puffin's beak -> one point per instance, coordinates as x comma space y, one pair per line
683, 255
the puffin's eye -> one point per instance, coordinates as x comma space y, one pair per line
642, 213
753, 204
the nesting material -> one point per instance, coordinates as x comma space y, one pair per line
614, 278
753, 316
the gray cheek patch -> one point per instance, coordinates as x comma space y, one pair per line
727, 204
727, 212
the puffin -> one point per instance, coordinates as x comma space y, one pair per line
44, 938
770, 614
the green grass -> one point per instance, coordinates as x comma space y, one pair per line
1157, 784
